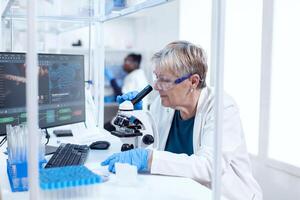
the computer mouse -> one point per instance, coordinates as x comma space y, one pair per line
100, 145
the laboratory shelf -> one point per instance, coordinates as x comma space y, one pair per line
6, 7
53, 18
49, 26
15, 10
49, 9
132, 9
79, 15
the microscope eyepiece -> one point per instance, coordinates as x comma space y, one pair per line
141, 94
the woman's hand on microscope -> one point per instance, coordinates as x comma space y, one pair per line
129, 96
141, 158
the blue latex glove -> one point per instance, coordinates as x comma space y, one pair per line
137, 157
108, 74
129, 96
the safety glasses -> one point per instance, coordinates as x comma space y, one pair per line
166, 84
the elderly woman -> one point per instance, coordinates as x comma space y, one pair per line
184, 114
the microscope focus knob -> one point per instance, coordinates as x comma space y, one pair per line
126, 147
148, 139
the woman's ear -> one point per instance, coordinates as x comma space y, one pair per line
195, 79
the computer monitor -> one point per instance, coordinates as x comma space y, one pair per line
61, 89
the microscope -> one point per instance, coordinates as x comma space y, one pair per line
135, 128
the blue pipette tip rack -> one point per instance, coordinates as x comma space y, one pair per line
65, 177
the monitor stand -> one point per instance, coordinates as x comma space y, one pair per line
47, 136
48, 148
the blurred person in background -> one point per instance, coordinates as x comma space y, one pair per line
135, 80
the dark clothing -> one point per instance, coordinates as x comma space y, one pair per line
117, 89
180, 139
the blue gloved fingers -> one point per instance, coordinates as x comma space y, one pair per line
138, 106
125, 157
132, 94
111, 166
113, 170
137, 157
122, 98
108, 74
106, 71
140, 159
107, 161
127, 96
145, 158
119, 99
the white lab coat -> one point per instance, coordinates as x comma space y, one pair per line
135, 81
237, 180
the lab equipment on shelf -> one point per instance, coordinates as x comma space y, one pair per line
68, 183
68, 154
114, 5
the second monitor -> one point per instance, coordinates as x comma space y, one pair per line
61, 89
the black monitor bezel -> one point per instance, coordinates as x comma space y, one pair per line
62, 124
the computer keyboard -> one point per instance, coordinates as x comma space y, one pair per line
67, 155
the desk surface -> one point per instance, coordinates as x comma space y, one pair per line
148, 187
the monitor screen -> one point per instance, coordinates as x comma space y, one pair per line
61, 89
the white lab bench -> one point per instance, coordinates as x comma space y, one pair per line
147, 187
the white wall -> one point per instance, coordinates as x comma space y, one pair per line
195, 22
120, 34
69, 37
6, 41
1, 34
276, 184
156, 29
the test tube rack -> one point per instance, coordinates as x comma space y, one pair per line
18, 176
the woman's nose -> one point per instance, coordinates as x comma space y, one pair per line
156, 86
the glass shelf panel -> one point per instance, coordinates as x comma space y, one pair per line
83, 10
50, 8
52, 37
130, 8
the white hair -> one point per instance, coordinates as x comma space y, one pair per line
182, 58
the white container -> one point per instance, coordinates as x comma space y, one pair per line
134, 2
126, 174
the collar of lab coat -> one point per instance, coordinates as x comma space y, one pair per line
197, 123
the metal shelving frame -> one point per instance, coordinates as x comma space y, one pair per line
97, 20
